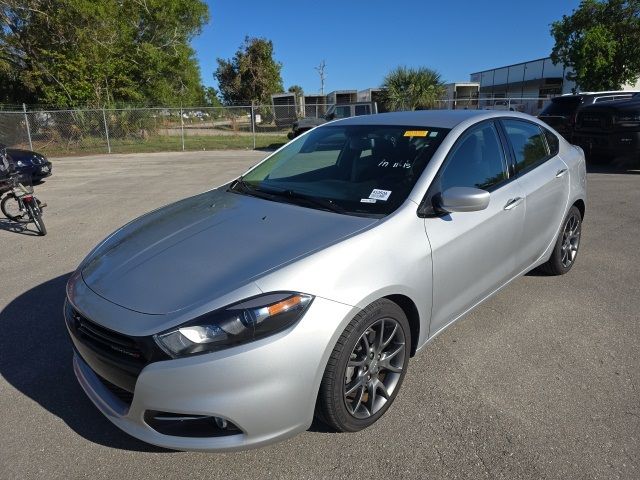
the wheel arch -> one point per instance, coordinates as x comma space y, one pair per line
413, 316
581, 206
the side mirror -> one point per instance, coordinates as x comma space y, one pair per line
329, 116
464, 199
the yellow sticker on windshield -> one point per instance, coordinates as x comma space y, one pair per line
416, 133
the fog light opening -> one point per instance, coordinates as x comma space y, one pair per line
221, 423
187, 425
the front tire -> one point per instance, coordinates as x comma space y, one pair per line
366, 369
566, 248
37, 219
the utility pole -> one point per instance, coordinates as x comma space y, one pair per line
320, 69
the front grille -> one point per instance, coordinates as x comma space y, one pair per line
107, 341
594, 120
116, 358
589, 141
591, 121
125, 396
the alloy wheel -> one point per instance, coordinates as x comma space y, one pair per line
374, 368
570, 241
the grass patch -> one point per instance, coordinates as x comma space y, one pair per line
98, 146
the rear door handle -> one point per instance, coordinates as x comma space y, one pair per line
561, 172
513, 203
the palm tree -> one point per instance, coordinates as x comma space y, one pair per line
412, 88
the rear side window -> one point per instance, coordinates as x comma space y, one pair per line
529, 145
476, 161
552, 142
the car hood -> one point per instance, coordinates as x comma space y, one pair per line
193, 251
19, 154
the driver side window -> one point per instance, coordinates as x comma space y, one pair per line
477, 160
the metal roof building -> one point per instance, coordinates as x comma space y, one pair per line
535, 78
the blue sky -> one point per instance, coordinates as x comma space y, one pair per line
362, 40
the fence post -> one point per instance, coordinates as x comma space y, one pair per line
182, 127
26, 121
253, 124
106, 130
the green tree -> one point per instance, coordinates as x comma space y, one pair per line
211, 98
600, 41
297, 89
251, 75
100, 52
412, 88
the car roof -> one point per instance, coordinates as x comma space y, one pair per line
595, 94
420, 118
603, 92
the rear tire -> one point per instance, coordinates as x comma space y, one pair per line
366, 369
10, 208
565, 251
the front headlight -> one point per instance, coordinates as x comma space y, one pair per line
240, 323
20, 163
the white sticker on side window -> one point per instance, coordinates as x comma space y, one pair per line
368, 200
380, 194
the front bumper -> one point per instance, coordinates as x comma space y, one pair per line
37, 171
608, 143
43, 171
267, 388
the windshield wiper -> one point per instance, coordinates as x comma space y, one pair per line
323, 203
244, 186
270, 194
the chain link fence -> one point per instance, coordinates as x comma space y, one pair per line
87, 131
530, 105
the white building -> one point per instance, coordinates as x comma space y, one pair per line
535, 78
462, 94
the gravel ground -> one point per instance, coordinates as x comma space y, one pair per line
541, 381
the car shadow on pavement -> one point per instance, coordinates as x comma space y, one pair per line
35, 358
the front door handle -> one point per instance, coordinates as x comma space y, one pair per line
561, 172
513, 203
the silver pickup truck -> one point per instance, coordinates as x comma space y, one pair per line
343, 110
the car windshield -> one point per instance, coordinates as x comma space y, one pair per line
354, 169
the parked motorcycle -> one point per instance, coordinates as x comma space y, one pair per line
19, 204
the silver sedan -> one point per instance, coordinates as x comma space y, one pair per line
230, 319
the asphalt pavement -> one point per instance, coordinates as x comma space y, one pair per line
541, 381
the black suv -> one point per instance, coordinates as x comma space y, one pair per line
610, 130
561, 112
